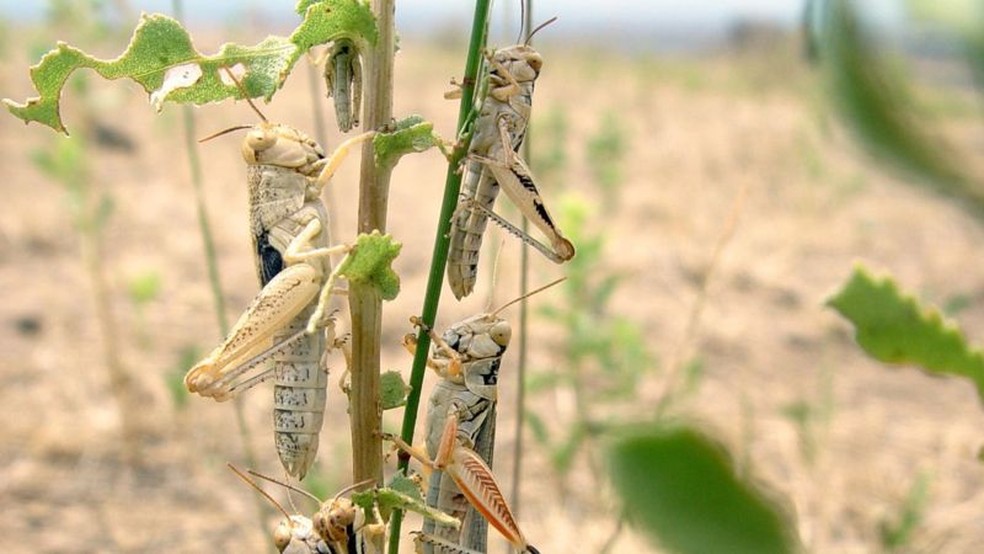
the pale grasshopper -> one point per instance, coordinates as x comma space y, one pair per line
339, 523
493, 161
467, 357
285, 322
295, 534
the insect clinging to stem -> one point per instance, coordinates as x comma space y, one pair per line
493, 161
284, 333
460, 430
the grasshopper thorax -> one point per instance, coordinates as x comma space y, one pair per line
283, 146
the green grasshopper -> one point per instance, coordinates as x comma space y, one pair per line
283, 334
494, 162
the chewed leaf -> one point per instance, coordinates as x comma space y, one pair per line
412, 134
893, 327
162, 59
370, 264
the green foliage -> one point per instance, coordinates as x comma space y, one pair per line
409, 135
370, 264
896, 535
392, 390
606, 156
605, 355
162, 59
144, 288
894, 328
401, 493
550, 156
681, 488
876, 101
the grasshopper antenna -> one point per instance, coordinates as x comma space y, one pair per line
351, 488
285, 485
522, 18
253, 484
527, 295
242, 90
529, 37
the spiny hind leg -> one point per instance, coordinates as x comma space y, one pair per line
250, 340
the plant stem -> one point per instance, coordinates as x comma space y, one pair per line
442, 241
365, 304
524, 309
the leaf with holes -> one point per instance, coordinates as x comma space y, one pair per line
162, 59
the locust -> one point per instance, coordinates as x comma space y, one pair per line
343, 76
338, 523
284, 333
493, 161
295, 534
467, 357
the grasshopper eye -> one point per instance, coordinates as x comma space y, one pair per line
282, 535
501, 332
258, 140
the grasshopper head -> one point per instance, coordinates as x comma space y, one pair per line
521, 60
334, 521
280, 145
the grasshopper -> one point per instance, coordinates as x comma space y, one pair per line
494, 161
285, 323
295, 533
343, 75
467, 357
339, 523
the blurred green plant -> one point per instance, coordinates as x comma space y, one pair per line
896, 533
873, 92
681, 488
606, 150
552, 132
604, 356
142, 289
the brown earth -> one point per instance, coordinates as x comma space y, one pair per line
705, 139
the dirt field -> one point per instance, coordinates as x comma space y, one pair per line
699, 135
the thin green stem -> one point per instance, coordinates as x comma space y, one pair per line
442, 241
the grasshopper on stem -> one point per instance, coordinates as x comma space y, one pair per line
285, 323
460, 432
494, 162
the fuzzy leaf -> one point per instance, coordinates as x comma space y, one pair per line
681, 488
877, 103
893, 327
403, 494
162, 59
370, 264
412, 134
393, 390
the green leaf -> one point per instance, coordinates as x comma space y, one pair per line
680, 487
162, 59
877, 103
370, 263
393, 390
893, 327
409, 135
403, 494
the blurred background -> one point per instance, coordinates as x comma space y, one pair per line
711, 161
